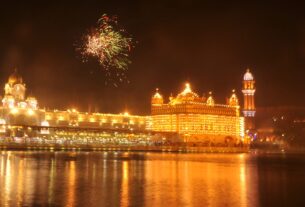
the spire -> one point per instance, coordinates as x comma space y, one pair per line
171, 97
187, 88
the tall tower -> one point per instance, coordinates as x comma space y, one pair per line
249, 104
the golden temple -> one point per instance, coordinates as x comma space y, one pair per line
193, 118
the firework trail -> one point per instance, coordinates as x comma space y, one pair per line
110, 45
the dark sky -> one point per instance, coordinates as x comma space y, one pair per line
209, 44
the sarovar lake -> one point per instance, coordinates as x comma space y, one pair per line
150, 179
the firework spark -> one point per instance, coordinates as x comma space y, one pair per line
110, 45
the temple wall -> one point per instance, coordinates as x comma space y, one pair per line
200, 127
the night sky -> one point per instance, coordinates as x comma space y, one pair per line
208, 44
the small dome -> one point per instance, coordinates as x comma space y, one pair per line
233, 101
157, 98
157, 95
210, 100
14, 78
248, 75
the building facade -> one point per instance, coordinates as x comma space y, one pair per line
19, 110
198, 119
192, 118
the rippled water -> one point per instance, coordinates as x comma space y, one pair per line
150, 179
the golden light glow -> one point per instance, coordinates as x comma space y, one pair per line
22, 105
187, 89
45, 123
2, 122
30, 112
14, 110
61, 118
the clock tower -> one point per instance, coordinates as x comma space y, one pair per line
249, 103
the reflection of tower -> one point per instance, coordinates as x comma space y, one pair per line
249, 105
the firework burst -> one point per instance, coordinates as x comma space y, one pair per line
110, 45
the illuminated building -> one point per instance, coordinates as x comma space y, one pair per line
193, 118
16, 108
19, 111
249, 103
198, 119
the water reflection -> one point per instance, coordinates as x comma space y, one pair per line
217, 180
71, 184
125, 185
146, 179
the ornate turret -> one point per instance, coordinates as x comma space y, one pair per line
210, 100
233, 101
157, 98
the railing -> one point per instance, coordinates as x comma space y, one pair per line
109, 147
91, 129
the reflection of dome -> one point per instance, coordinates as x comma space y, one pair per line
248, 76
187, 94
14, 78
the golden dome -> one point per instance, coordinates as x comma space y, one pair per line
14, 78
187, 94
